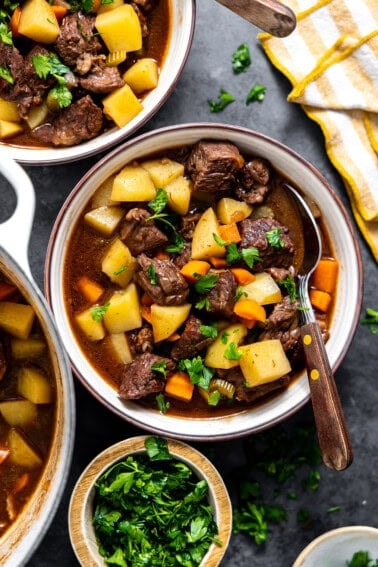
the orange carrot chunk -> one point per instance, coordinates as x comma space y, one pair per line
179, 386
161, 255
325, 275
194, 269
249, 309
59, 11
145, 311
320, 299
229, 232
218, 263
242, 276
91, 290
15, 22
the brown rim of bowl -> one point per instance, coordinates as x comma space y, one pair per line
82, 496
221, 128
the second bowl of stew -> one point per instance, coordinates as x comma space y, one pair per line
171, 271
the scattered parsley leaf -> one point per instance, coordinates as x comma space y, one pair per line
203, 303
205, 283
214, 398
177, 246
289, 284
224, 337
159, 202
152, 274
50, 64
219, 240
208, 331
239, 293
159, 366
232, 352
98, 312
257, 93
273, 237
303, 516
61, 95
232, 254
250, 256
332, 509
162, 404
5, 34
120, 270
199, 373
6, 75
241, 58
371, 320
362, 559
224, 99
157, 449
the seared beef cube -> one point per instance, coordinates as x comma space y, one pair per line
279, 274
140, 380
183, 257
102, 79
79, 122
161, 280
141, 234
188, 224
253, 234
141, 340
283, 324
76, 38
221, 298
213, 166
192, 341
254, 181
248, 395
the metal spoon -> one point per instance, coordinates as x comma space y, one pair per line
268, 15
332, 432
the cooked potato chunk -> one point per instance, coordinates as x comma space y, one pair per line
123, 313
9, 129
119, 347
93, 329
163, 171
21, 451
9, 111
166, 319
106, 7
37, 115
16, 319
104, 219
230, 210
122, 105
118, 263
38, 21
204, 244
27, 348
217, 353
102, 195
263, 362
34, 385
143, 75
120, 29
133, 183
18, 412
179, 193
263, 289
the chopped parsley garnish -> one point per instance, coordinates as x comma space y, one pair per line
86, 5
203, 303
120, 270
162, 404
5, 34
177, 245
362, 559
160, 201
219, 240
159, 366
98, 312
249, 255
241, 58
157, 449
290, 286
224, 337
224, 99
50, 64
198, 373
232, 352
273, 237
239, 293
6, 75
371, 320
61, 95
208, 331
257, 93
205, 283
152, 275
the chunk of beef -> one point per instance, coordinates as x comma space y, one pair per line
139, 233
142, 18
188, 224
254, 181
145, 5
140, 380
283, 324
76, 38
79, 122
141, 340
183, 257
279, 274
170, 287
248, 395
221, 298
213, 166
102, 79
192, 341
253, 234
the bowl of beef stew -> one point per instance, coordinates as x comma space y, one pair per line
171, 271
78, 77
37, 418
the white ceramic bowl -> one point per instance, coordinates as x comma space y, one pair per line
337, 547
21, 539
305, 176
179, 44
80, 513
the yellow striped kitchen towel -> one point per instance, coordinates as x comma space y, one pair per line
331, 60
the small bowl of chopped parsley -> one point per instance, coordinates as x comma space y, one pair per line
150, 501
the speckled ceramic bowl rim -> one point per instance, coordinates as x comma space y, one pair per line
80, 511
350, 281
179, 45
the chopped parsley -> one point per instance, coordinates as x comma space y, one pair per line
199, 373
5, 34
249, 255
290, 286
224, 99
274, 238
162, 404
152, 275
159, 202
98, 312
203, 303
50, 64
239, 293
205, 283
241, 58
177, 245
120, 270
6, 75
208, 331
160, 366
232, 352
224, 337
362, 559
219, 240
257, 93
371, 319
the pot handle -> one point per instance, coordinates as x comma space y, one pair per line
15, 232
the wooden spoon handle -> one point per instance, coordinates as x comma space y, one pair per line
332, 432
268, 15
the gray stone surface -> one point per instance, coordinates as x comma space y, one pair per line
218, 33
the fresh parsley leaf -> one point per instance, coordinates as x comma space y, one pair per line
199, 373
5, 34
6, 75
303, 516
241, 58
273, 237
120, 270
177, 246
232, 352
219, 240
162, 404
157, 449
332, 509
203, 303
62, 95
208, 331
98, 312
160, 201
250, 256
224, 337
224, 99
50, 64
232, 254
159, 366
239, 293
289, 284
371, 320
205, 283
152, 275
362, 559
257, 93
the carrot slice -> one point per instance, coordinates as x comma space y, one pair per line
145, 311
161, 255
194, 269
91, 290
6, 290
242, 276
15, 22
320, 299
229, 232
218, 262
325, 275
249, 309
173, 337
59, 11
179, 386
249, 323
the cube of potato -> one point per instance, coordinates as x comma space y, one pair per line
16, 319
215, 354
166, 319
27, 348
93, 330
38, 21
230, 210
123, 313
34, 385
118, 263
9, 129
21, 451
102, 195
9, 111
133, 183
179, 193
118, 345
37, 115
120, 29
143, 75
18, 412
263, 289
122, 105
106, 7
163, 171
263, 362
204, 244
104, 219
